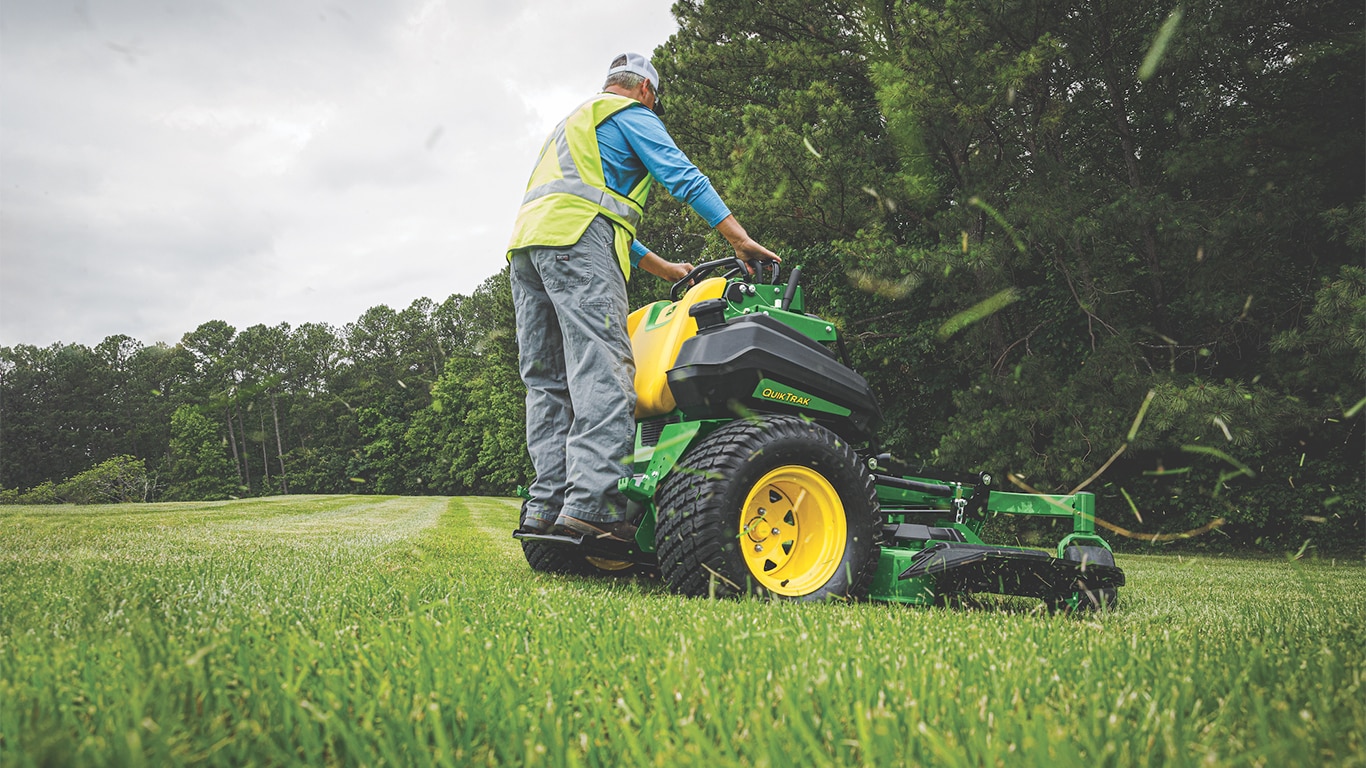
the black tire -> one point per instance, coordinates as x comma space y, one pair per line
827, 549
1085, 599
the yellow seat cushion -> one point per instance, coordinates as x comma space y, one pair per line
657, 331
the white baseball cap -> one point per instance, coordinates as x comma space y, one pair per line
638, 65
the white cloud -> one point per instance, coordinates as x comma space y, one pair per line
163, 164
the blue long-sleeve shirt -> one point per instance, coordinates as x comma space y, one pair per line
634, 142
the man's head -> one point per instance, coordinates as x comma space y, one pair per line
633, 75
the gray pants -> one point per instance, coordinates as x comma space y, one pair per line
575, 359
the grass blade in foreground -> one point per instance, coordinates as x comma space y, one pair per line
364, 630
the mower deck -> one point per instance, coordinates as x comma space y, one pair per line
957, 567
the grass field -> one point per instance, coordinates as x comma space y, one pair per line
408, 631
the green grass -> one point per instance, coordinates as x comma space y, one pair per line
408, 631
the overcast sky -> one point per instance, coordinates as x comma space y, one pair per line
168, 162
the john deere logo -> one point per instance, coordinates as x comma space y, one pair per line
785, 397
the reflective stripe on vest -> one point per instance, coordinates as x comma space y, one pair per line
567, 189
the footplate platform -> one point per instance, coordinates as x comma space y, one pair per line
590, 547
957, 567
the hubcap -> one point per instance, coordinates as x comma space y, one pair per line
792, 530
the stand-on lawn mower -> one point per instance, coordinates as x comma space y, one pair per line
756, 472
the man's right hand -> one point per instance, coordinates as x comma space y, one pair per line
747, 249
750, 250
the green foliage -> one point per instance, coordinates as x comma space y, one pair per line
121, 479
318, 470
472, 439
378, 461
1324, 361
483, 446
773, 101
1043, 234
197, 466
42, 493
66, 407
369, 630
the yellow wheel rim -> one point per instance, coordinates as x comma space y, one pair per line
793, 531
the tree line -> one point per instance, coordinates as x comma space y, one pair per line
1108, 243
385, 404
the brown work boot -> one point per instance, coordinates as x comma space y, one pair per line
614, 531
536, 526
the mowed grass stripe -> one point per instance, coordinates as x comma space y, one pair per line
70, 533
363, 630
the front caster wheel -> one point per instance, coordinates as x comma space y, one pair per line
1086, 598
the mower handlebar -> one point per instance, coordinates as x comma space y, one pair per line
764, 271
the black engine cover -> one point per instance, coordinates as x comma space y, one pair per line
718, 370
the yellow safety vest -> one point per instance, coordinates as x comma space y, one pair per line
567, 189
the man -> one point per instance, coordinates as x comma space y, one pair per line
571, 251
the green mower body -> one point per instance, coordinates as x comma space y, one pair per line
756, 471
